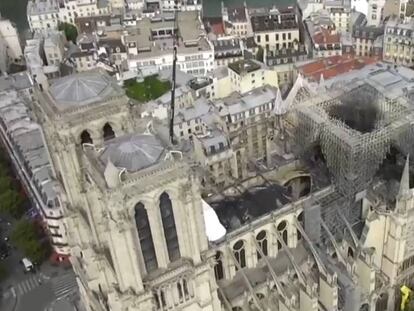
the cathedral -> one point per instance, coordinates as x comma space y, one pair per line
321, 217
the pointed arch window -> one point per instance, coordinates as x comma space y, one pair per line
282, 229
170, 231
163, 302
240, 253
145, 237
218, 268
180, 291
157, 301
185, 287
108, 132
300, 220
86, 138
261, 239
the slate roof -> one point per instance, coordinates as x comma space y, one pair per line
133, 152
83, 88
286, 19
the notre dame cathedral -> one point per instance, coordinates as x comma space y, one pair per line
140, 222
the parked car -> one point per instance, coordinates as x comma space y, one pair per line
28, 265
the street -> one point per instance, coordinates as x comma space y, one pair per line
38, 291
34, 291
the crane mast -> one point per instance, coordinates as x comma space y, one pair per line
173, 82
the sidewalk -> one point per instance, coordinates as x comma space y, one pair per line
8, 301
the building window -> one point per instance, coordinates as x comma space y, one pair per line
180, 291
218, 268
283, 36
277, 37
157, 301
300, 220
86, 138
267, 38
262, 241
240, 253
168, 223
145, 237
185, 287
163, 302
108, 132
258, 38
289, 36
282, 229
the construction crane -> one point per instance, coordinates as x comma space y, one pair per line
173, 82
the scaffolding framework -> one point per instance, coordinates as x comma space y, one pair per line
353, 157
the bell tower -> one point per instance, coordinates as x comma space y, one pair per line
133, 208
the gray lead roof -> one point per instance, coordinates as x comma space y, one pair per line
133, 152
75, 88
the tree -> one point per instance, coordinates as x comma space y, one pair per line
5, 183
11, 203
70, 31
3, 271
26, 237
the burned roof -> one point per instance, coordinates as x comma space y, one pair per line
255, 202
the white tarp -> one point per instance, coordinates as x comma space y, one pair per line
214, 229
360, 6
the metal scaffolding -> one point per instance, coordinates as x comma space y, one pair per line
353, 157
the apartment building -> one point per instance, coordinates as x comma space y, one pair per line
69, 10
99, 23
246, 75
185, 5
214, 152
405, 9
227, 134
307, 7
24, 141
340, 14
84, 61
150, 45
135, 4
54, 48
43, 15
398, 39
375, 12
8, 33
193, 120
283, 61
368, 41
34, 55
276, 29
114, 50
236, 21
324, 40
244, 116
227, 51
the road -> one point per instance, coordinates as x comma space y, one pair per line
38, 291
